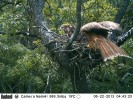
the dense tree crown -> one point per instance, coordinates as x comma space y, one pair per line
27, 63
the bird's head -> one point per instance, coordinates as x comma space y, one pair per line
68, 29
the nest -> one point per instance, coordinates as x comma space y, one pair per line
79, 52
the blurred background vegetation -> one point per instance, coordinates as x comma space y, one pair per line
26, 67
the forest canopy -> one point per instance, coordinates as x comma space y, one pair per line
29, 65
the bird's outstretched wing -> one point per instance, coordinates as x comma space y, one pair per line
96, 33
111, 25
108, 49
94, 27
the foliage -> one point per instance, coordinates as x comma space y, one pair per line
98, 11
58, 12
23, 70
113, 78
127, 21
63, 11
13, 19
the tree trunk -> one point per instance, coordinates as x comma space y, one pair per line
63, 58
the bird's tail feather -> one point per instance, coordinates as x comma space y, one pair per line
109, 50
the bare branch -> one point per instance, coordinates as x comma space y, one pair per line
78, 16
124, 37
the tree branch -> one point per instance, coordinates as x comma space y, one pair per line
78, 17
124, 37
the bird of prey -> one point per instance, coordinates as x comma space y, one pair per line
68, 29
97, 35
